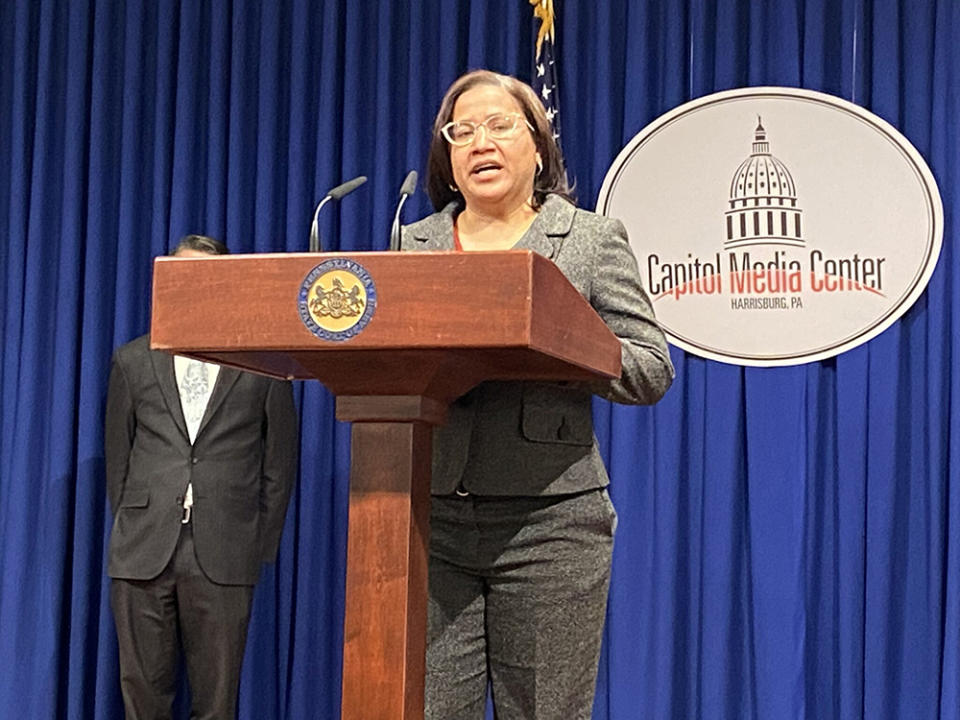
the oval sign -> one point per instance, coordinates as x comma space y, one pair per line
776, 226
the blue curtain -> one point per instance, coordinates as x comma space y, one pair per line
789, 544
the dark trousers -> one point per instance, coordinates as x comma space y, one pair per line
518, 594
180, 607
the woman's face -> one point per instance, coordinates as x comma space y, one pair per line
493, 174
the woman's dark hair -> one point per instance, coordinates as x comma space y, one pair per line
201, 243
553, 177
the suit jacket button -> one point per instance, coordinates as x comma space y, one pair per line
194, 460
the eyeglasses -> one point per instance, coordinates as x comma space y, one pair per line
499, 127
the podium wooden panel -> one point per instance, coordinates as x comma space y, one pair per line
443, 323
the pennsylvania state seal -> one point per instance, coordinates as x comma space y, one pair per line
337, 299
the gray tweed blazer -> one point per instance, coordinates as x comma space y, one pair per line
536, 438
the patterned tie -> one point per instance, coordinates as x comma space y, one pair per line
193, 392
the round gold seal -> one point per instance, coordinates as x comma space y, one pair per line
337, 299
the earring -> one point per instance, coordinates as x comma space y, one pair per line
539, 164
453, 187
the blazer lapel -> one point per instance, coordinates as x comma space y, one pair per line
552, 224
225, 380
435, 232
167, 379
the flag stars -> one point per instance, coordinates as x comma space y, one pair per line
544, 67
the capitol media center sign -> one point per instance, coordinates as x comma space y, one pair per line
776, 226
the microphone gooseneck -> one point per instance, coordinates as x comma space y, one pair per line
338, 192
406, 190
314, 229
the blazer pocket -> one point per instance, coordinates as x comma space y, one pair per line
556, 414
135, 499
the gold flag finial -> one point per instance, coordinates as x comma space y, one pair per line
543, 9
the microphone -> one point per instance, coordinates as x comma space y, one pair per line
338, 192
406, 190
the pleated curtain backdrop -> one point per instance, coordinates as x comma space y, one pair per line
789, 539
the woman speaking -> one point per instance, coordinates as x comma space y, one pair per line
521, 523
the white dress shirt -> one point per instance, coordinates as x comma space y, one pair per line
195, 383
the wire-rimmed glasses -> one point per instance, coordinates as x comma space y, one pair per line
501, 126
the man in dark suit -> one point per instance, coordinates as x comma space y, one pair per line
200, 463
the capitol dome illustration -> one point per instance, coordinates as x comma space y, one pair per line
763, 201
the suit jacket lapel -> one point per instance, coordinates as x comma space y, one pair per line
544, 236
552, 224
167, 379
225, 380
435, 232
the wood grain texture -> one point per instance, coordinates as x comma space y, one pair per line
386, 589
443, 322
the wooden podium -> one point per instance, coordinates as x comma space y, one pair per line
443, 322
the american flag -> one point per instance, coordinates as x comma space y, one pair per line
544, 66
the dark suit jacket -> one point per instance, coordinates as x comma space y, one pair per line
536, 438
242, 466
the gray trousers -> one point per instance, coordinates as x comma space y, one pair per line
517, 599
181, 606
